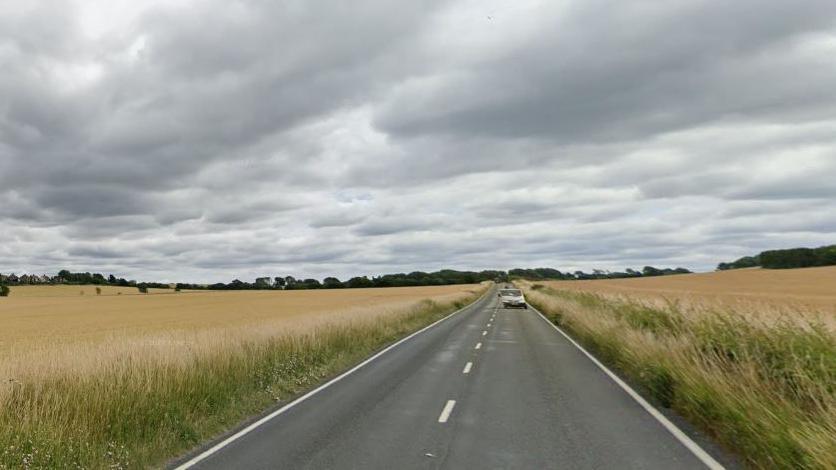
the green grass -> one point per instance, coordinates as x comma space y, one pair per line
139, 413
765, 390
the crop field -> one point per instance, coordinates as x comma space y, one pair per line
130, 380
43, 321
811, 289
749, 356
80, 291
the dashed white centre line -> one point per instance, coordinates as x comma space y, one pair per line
445, 413
467, 368
478, 346
484, 333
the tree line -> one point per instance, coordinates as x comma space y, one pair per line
415, 278
66, 277
786, 259
437, 278
554, 274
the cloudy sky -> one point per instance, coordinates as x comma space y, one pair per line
207, 140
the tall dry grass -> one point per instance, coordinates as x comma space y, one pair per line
136, 402
764, 384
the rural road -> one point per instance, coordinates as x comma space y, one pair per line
485, 388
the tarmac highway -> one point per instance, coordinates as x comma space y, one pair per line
486, 387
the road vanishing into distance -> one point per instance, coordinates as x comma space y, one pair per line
485, 388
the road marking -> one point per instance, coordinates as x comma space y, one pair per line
229, 440
467, 368
445, 413
683, 438
478, 346
484, 333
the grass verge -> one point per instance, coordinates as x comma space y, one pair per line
140, 412
764, 389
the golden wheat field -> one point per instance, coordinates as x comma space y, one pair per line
36, 317
747, 355
127, 381
811, 289
80, 291
50, 332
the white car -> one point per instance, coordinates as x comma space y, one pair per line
512, 298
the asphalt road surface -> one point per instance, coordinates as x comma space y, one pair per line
485, 388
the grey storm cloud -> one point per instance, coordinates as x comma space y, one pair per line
203, 141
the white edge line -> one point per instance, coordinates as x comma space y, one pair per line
683, 438
467, 368
445, 413
229, 440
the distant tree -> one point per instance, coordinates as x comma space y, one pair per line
651, 271
384, 281
359, 282
744, 262
112, 280
4, 290
332, 283
311, 284
263, 283
786, 259
98, 291
279, 282
238, 284
537, 274
143, 289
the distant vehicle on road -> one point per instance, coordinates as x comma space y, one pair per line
512, 298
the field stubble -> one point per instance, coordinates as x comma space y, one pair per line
758, 374
131, 393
